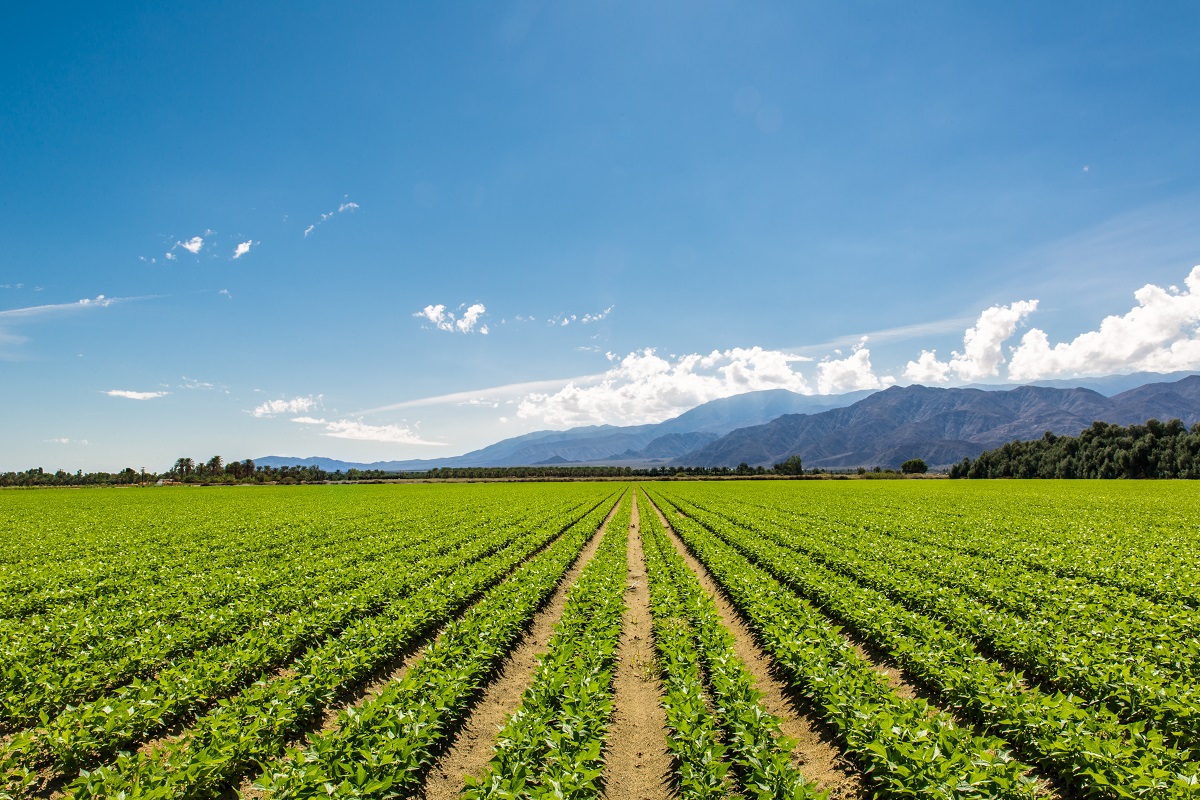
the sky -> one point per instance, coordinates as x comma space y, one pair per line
379, 231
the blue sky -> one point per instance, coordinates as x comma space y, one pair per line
645, 206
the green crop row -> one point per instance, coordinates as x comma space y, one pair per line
692, 642
552, 744
904, 747
1082, 662
1091, 750
84, 734
260, 721
382, 748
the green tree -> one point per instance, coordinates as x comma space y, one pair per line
914, 466
792, 465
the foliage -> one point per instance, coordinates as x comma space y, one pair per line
914, 466
1153, 450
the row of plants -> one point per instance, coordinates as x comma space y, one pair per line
383, 747
1135, 537
287, 695
1089, 749
1092, 660
904, 747
38, 682
697, 655
553, 743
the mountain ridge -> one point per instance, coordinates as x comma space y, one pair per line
865, 428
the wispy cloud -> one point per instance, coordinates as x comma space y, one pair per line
499, 393
100, 301
242, 249
297, 405
343, 208
360, 431
445, 320
563, 320
132, 395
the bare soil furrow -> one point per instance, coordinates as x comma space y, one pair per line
637, 765
471, 748
814, 752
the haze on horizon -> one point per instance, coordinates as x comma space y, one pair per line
390, 232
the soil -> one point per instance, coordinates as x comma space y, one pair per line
637, 765
471, 749
814, 752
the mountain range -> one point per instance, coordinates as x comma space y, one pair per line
866, 428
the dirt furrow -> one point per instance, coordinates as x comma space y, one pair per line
471, 749
636, 763
814, 752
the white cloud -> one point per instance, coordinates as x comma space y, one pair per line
644, 387
297, 405
58, 441
1160, 334
360, 431
982, 354
850, 374
167, 256
927, 369
226, 293
445, 320
243, 248
128, 395
328, 215
589, 318
192, 245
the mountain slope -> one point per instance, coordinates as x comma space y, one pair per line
599, 443
941, 425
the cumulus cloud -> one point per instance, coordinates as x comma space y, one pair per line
1160, 334
445, 320
983, 347
297, 405
242, 249
361, 431
192, 245
927, 369
850, 374
130, 395
645, 387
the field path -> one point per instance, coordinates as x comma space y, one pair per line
636, 763
471, 749
814, 753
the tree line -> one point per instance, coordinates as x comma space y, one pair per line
1154, 450
216, 471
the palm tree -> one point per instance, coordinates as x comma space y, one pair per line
184, 466
216, 465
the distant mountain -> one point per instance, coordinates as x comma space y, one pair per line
610, 443
941, 425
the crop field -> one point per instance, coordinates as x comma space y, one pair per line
754, 639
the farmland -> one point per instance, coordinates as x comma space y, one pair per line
770, 639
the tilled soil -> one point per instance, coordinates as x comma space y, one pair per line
636, 763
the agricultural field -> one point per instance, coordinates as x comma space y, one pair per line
773, 639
